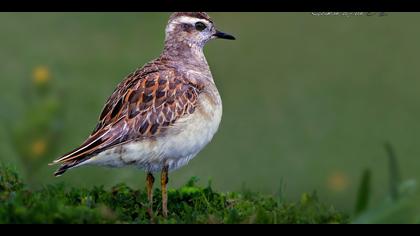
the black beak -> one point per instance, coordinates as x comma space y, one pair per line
222, 35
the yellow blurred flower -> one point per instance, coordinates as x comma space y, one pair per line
39, 147
338, 181
41, 75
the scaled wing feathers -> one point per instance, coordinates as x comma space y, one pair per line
143, 105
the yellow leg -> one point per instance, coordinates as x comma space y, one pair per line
164, 182
149, 185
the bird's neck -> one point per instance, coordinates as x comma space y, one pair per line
186, 54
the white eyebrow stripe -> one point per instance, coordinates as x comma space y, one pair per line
189, 20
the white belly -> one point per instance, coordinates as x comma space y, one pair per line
176, 148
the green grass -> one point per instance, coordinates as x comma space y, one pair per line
190, 203
122, 204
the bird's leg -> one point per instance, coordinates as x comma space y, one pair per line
164, 182
149, 185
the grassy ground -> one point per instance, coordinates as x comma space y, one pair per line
190, 203
122, 204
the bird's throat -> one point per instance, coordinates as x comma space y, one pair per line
185, 52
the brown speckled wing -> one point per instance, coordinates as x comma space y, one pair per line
146, 103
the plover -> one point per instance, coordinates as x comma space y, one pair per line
161, 115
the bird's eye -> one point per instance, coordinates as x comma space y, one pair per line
200, 26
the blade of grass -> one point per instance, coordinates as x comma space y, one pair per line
364, 192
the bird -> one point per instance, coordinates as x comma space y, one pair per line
161, 115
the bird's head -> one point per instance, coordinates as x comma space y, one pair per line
193, 28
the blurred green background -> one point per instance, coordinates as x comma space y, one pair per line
308, 100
